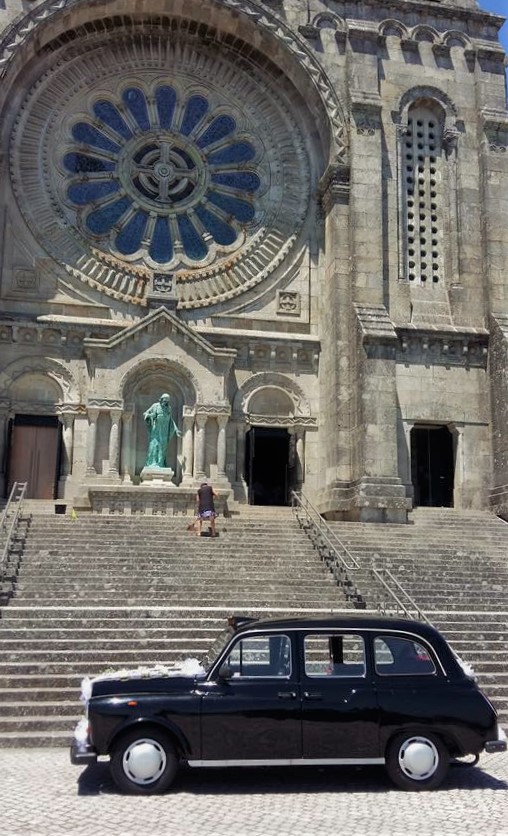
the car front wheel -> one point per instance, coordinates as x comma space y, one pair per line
417, 761
144, 761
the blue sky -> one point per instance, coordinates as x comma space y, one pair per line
498, 7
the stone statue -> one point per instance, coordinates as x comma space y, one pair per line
161, 429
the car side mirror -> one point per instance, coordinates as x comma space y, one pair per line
225, 672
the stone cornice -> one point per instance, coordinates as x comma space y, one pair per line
444, 346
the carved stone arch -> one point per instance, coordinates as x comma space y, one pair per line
328, 20
431, 97
53, 369
425, 33
186, 382
271, 380
34, 30
455, 38
390, 26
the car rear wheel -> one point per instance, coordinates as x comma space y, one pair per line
144, 761
417, 761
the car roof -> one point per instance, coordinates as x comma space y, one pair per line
335, 622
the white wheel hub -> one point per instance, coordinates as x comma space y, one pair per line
418, 758
144, 761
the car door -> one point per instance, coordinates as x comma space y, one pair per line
253, 713
410, 685
340, 717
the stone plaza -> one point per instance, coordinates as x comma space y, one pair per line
41, 794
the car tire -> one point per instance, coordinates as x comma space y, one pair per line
144, 761
417, 761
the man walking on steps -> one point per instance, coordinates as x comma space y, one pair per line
206, 508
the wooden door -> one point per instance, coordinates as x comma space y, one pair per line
34, 458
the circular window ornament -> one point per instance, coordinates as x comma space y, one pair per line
200, 172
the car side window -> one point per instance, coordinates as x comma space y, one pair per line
261, 656
394, 656
337, 655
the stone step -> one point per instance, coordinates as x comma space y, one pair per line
36, 739
39, 708
231, 603
40, 648
39, 723
51, 696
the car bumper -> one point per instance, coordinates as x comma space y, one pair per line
82, 753
498, 745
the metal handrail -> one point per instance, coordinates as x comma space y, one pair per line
399, 596
300, 502
16, 498
378, 574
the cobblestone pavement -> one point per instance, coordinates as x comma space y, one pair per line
42, 794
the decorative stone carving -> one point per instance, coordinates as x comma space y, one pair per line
214, 195
334, 186
288, 302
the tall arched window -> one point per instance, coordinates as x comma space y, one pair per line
422, 191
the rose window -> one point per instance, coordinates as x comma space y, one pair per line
144, 153
158, 184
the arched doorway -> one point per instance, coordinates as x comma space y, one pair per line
432, 466
34, 440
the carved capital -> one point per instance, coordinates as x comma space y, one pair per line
334, 186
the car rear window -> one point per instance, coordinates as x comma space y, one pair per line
334, 655
395, 656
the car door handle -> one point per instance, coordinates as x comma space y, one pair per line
313, 695
287, 695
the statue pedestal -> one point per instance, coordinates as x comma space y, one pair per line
157, 475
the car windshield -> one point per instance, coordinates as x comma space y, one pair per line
215, 648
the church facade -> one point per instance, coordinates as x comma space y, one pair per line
291, 217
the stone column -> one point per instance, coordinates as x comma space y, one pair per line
93, 417
199, 447
405, 458
240, 451
67, 438
300, 457
126, 449
188, 448
222, 421
4, 417
114, 443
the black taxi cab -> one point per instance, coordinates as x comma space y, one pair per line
345, 690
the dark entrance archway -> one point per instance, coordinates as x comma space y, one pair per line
267, 465
34, 454
432, 466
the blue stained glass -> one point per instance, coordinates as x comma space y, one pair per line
128, 241
222, 232
219, 128
88, 135
82, 163
239, 209
146, 149
136, 102
83, 193
161, 248
246, 181
193, 244
110, 115
237, 152
195, 109
101, 221
166, 101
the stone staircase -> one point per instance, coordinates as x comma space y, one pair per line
455, 567
98, 593
108, 592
